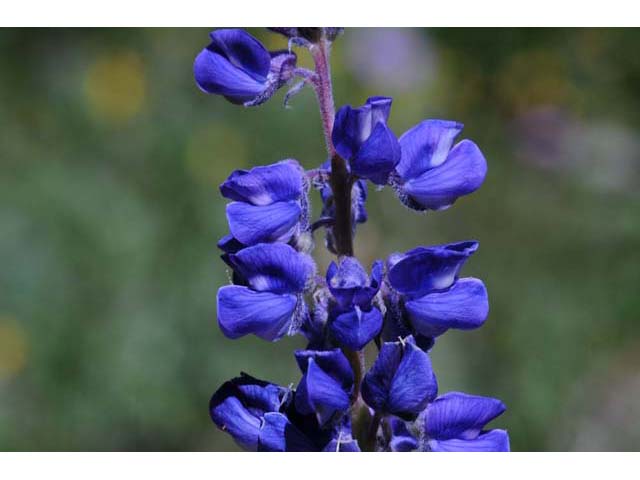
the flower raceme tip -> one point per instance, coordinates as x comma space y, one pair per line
238, 67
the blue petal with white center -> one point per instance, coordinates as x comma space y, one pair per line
424, 269
431, 174
251, 224
273, 267
426, 146
264, 185
462, 173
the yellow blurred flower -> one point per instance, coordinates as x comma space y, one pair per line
115, 86
13, 348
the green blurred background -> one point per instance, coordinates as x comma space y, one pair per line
110, 159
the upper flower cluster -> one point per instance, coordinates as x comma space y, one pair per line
401, 304
423, 166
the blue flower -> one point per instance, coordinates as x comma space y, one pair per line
353, 320
269, 205
361, 136
261, 416
431, 297
401, 381
463, 306
424, 269
453, 422
237, 66
431, 175
268, 301
239, 407
326, 385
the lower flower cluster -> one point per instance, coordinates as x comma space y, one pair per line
400, 392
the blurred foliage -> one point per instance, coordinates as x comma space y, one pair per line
110, 159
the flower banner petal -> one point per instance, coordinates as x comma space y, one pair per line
426, 146
462, 173
251, 224
459, 415
463, 306
242, 311
265, 185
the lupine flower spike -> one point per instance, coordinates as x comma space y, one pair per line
401, 304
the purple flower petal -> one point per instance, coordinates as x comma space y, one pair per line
239, 405
216, 75
346, 279
424, 269
414, 383
492, 441
377, 156
234, 64
265, 185
426, 146
270, 223
345, 132
273, 267
458, 415
462, 173
242, 50
278, 434
356, 328
353, 126
230, 416
333, 362
320, 393
463, 306
242, 311
401, 381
